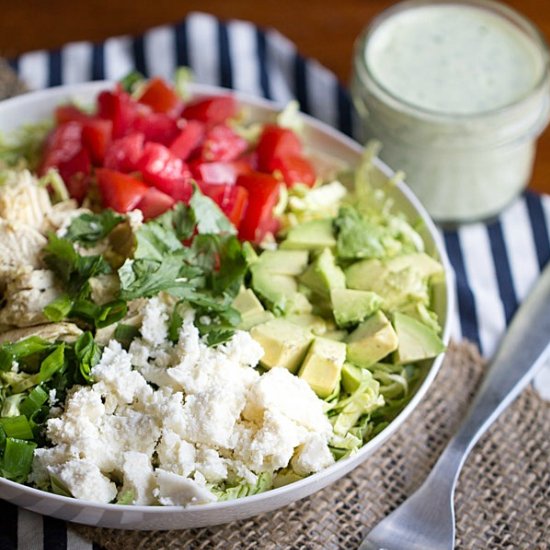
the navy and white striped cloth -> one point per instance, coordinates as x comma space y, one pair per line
495, 263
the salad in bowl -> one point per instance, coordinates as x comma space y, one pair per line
198, 305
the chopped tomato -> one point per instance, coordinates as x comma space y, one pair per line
275, 143
220, 172
263, 194
222, 144
189, 139
157, 127
119, 191
120, 109
96, 136
63, 143
211, 110
154, 203
232, 200
181, 190
70, 113
123, 154
63, 150
162, 169
160, 97
76, 174
295, 169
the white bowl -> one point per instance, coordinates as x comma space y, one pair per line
34, 107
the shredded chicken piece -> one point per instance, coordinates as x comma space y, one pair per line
51, 332
26, 294
20, 247
23, 200
61, 215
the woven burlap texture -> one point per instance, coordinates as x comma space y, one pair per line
502, 499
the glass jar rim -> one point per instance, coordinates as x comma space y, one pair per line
512, 16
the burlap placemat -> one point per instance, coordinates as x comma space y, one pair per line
502, 500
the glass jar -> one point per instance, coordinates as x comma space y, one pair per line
457, 98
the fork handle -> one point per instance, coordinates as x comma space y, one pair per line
523, 349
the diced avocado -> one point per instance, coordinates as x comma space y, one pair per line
420, 312
371, 341
312, 235
249, 253
396, 288
276, 289
285, 344
284, 262
316, 324
338, 335
425, 265
323, 275
364, 275
416, 340
249, 321
247, 302
353, 306
351, 377
297, 304
251, 309
322, 366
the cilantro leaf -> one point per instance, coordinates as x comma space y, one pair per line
87, 229
208, 216
72, 268
156, 239
233, 267
147, 277
207, 274
183, 220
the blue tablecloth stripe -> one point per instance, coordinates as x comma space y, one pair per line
98, 62
502, 267
466, 304
486, 284
540, 230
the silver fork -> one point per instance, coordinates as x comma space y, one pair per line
426, 520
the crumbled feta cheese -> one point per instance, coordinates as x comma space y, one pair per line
135, 218
83, 412
175, 454
138, 477
84, 480
272, 446
243, 349
211, 465
154, 327
132, 431
278, 390
210, 419
52, 397
176, 490
312, 456
115, 376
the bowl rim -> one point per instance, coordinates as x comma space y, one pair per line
347, 464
